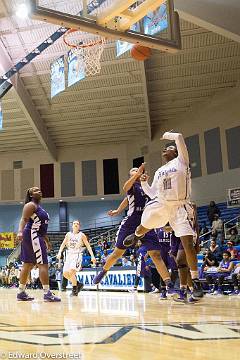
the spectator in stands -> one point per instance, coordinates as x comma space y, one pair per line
209, 260
215, 250
217, 226
132, 259
125, 261
212, 210
215, 281
234, 238
35, 281
236, 280
12, 278
233, 251
104, 257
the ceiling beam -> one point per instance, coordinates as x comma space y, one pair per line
219, 16
27, 106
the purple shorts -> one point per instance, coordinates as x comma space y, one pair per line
33, 248
176, 245
128, 227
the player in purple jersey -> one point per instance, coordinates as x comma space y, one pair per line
32, 233
164, 239
142, 269
136, 200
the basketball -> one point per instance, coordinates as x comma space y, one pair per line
141, 53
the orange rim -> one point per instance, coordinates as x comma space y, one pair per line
73, 46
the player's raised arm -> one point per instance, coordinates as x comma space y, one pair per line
180, 144
150, 191
129, 183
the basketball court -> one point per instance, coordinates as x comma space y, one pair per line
110, 325
101, 45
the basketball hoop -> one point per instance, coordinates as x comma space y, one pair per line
88, 48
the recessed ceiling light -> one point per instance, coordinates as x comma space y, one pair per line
102, 198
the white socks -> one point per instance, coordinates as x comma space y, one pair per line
45, 288
21, 288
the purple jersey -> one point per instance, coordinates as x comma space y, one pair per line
224, 265
137, 199
33, 247
141, 263
164, 240
38, 221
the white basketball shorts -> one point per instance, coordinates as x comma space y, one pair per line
72, 262
179, 215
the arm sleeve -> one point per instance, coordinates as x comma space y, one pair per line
150, 191
180, 144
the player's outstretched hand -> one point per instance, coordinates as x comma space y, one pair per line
112, 212
144, 177
141, 168
162, 137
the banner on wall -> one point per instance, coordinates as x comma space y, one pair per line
118, 279
233, 197
75, 72
7, 240
57, 76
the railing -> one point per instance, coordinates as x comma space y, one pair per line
224, 229
229, 221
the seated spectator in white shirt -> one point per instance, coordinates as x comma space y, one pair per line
35, 277
125, 261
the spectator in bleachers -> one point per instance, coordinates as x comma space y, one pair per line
212, 210
217, 226
12, 278
104, 257
234, 238
233, 251
125, 261
215, 250
236, 280
215, 281
132, 259
35, 281
209, 260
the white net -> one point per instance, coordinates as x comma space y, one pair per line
88, 49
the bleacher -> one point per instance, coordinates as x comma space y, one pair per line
226, 213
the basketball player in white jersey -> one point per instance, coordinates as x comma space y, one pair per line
170, 191
75, 241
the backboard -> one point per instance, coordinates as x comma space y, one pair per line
151, 23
